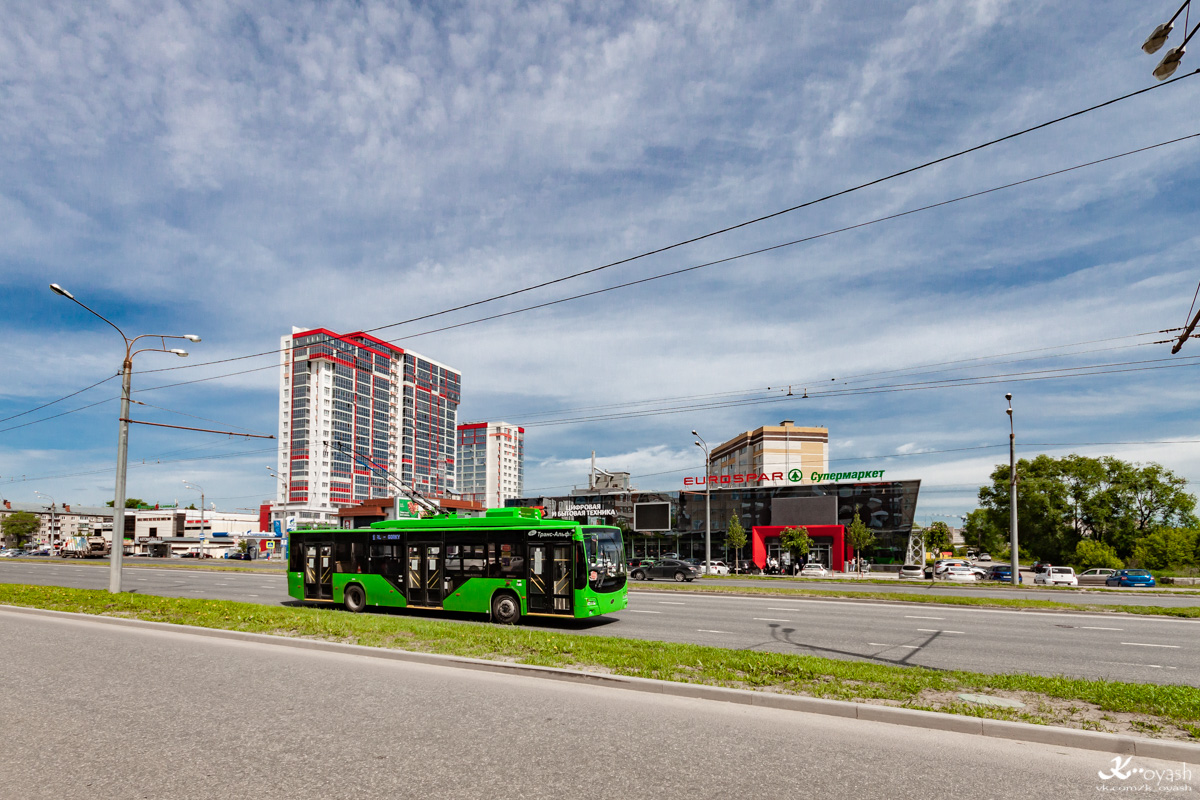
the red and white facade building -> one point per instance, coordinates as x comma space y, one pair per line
347, 398
491, 462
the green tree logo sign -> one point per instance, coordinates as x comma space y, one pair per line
795, 476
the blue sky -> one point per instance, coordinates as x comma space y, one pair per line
231, 170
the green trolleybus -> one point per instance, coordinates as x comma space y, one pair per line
508, 563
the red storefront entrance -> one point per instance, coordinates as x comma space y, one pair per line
760, 533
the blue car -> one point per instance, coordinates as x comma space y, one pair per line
1130, 577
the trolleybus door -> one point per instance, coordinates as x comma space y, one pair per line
424, 573
549, 589
318, 571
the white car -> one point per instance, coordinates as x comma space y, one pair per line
941, 565
984, 557
814, 570
1057, 576
960, 573
715, 567
913, 571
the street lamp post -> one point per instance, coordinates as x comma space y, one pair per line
1012, 502
198, 488
703, 445
118, 534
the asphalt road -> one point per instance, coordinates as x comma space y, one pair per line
104, 712
1117, 647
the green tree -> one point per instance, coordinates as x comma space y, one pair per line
735, 538
982, 535
796, 541
130, 502
1167, 547
860, 537
937, 537
1090, 554
20, 526
1062, 501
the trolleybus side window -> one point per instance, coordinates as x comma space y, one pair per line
506, 554
350, 553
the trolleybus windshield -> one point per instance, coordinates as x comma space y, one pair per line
606, 558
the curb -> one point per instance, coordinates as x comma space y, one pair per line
932, 720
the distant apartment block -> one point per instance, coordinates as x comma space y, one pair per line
491, 462
352, 406
774, 449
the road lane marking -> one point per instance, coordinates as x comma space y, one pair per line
1127, 664
1097, 628
768, 619
668, 603
702, 630
911, 616
932, 630
1146, 644
637, 611
252, 595
907, 646
772, 608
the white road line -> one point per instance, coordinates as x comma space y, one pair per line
1128, 664
772, 608
932, 630
881, 644
636, 611
252, 595
768, 619
1097, 628
910, 616
668, 603
1145, 644
702, 630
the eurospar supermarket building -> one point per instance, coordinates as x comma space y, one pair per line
770, 478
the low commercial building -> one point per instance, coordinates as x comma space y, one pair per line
885, 507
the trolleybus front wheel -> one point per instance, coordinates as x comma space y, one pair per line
355, 599
505, 609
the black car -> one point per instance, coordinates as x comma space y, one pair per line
238, 556
666, 568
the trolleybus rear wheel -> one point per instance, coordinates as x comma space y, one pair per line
505, 609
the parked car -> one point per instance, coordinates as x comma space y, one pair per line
981, 573
1000, 572
237, 555
814, 570
1130, 577
716, 568
914, 571
984, 557
941, 565
1095, 576
957, 572
670, 555
666, 568
1057, 576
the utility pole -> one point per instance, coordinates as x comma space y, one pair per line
1012, 483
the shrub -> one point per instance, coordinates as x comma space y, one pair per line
1089, 554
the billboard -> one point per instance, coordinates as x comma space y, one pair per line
651, 517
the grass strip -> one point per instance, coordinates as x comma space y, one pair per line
966, 587
1119, 707
1186, 612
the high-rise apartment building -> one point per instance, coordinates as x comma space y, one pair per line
491, 462
775, 449
347, 398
